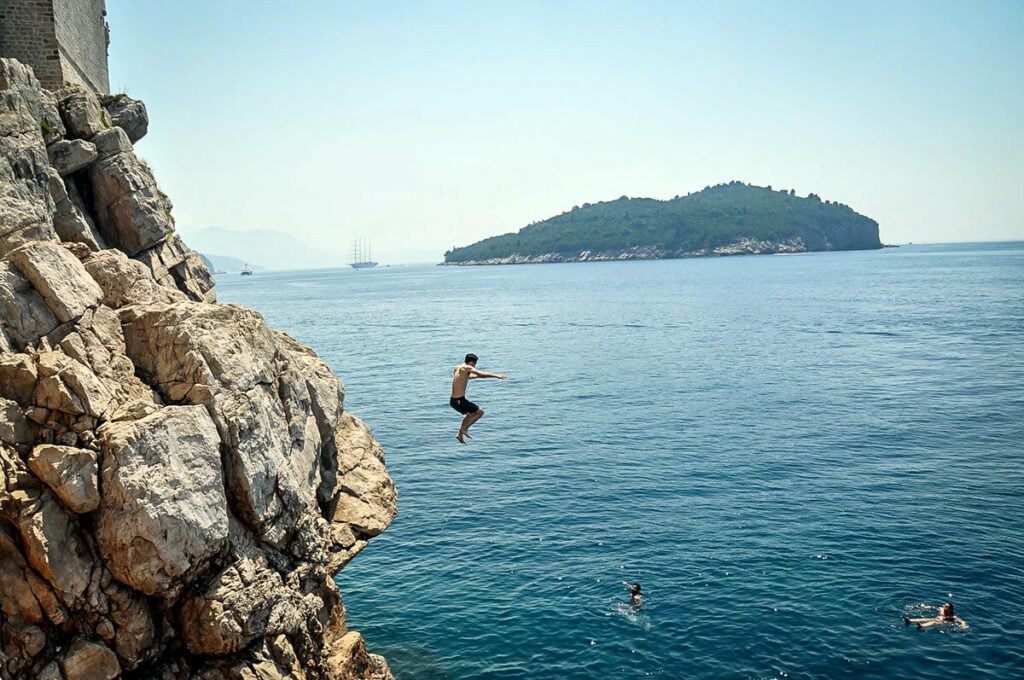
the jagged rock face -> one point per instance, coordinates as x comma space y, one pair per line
128, 114
178, 481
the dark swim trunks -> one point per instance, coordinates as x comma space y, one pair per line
463, 405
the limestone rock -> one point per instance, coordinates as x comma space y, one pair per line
87, 660
70, 387
312, 390
111, 142
349, 660
128, 114
68, 156
18, 377
24, 316
71, 473
81, 112
193, 277
19, 605
75, 185
154, 529
54, 544
41, 104
127, 282
178, 483
50, 122
245, 601
70, 223
131, 212
15, 428
134, 629
173, 265
97, 342
224, 357
25, 204
368, 501
57, 275
17, 76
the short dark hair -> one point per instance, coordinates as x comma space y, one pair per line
472, 358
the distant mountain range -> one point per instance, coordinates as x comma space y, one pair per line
229, 250
727, 219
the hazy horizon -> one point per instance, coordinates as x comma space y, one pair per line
343, 259
435, 125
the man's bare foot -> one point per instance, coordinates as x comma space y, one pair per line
460, 436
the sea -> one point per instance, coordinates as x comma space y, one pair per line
789, 453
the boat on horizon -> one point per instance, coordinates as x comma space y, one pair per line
362, 256
246, 270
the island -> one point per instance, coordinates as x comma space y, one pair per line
726, 219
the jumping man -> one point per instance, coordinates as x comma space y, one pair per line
465, 372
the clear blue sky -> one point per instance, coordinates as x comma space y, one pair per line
431, 124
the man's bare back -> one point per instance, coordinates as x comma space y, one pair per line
461, 376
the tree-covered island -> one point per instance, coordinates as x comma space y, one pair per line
727, 219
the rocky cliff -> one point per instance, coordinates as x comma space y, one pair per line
179, 482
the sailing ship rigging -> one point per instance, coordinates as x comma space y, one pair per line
362, 255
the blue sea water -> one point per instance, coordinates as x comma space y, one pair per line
788, 452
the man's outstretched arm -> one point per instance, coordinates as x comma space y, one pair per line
474, 373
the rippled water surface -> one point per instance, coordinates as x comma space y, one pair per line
788, 453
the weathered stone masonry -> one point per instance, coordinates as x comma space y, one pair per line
64, 41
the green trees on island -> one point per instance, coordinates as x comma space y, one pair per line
694, 224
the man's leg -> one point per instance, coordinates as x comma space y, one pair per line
473, 417
466, 422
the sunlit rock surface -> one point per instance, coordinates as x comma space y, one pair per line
179, 482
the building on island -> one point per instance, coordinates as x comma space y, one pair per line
64, 41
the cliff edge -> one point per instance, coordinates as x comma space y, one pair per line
179, 482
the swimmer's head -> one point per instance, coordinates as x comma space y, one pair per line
635, 588
947, 609
471, 359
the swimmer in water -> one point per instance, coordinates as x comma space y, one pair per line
945, 615
465, 372
635, 598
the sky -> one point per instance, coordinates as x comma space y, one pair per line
420, 126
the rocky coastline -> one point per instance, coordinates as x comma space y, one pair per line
738, 247
179, 482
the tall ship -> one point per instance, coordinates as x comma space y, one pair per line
362, 256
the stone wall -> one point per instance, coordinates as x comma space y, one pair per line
82, 40
27, 34
62, 40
